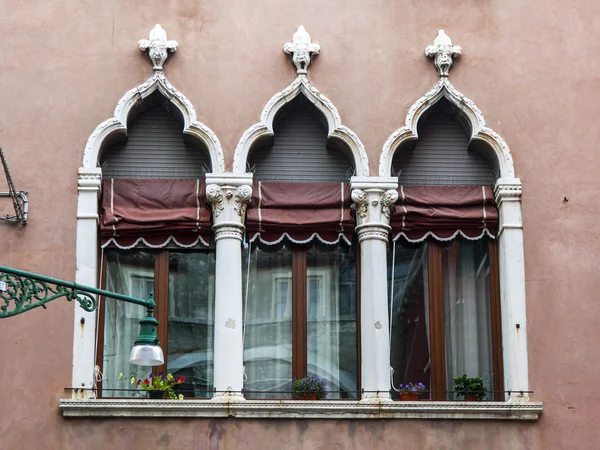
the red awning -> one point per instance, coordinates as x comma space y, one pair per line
444, 212
154, 212
300, 212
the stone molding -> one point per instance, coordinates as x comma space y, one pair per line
508, 190
479, 130
301, 86
328, 409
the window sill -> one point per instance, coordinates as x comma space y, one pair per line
289, 409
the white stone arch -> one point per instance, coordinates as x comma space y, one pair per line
118, 123
301, 86
468, 109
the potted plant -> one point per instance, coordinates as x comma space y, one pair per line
409, 392
159, 386
472, 389
308, 388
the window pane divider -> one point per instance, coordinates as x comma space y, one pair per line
299, 330
496, 322
436, 319
161, 297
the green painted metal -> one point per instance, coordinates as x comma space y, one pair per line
21, 291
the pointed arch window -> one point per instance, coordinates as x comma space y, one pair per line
155, 238
301, 270
444, 299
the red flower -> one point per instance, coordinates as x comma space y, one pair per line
180, 379
147, 382
138, 382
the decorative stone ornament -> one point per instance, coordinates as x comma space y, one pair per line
158, 47
302, 50
443, 51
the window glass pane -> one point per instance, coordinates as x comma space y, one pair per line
129, 272
267, 326
331, 318
409, 316
467, 311
191, 321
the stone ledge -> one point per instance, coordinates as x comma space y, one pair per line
289, 409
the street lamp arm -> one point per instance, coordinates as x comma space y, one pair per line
21, 291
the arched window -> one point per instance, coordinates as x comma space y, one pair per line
155, 234
444, 299
300, 300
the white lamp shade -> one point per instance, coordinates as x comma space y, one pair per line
146, 355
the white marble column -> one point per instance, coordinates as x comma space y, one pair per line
512, 287
228, 195
373, 197
86, 272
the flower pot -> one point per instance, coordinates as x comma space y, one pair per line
308, 396
409, 396
156, 395
471, 398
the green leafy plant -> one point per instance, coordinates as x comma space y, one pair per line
159, 382
464, 386
302, 387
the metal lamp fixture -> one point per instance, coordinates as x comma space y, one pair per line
146, 350
21, 291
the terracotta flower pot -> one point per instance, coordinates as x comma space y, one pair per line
471, 398
156, 395
310, 396
409, 396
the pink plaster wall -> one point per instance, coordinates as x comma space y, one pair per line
529, 66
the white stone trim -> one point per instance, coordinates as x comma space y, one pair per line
301, 85
118, 123
290, 409
479, 130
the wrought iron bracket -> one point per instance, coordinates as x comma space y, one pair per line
21, 291
19, 198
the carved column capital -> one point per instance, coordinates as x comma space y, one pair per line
374, 199
228, 196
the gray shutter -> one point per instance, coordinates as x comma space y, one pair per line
155, 148
299, 150
442, 156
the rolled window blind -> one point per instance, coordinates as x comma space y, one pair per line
442, 155
155, 148
299, 150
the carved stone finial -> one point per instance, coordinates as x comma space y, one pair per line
302, 50
158, 47
443, 51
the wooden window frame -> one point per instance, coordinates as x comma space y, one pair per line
437, 352
300, 314
161, 298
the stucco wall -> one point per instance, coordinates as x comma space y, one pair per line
529, 66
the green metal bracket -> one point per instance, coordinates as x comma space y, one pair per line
21, 291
